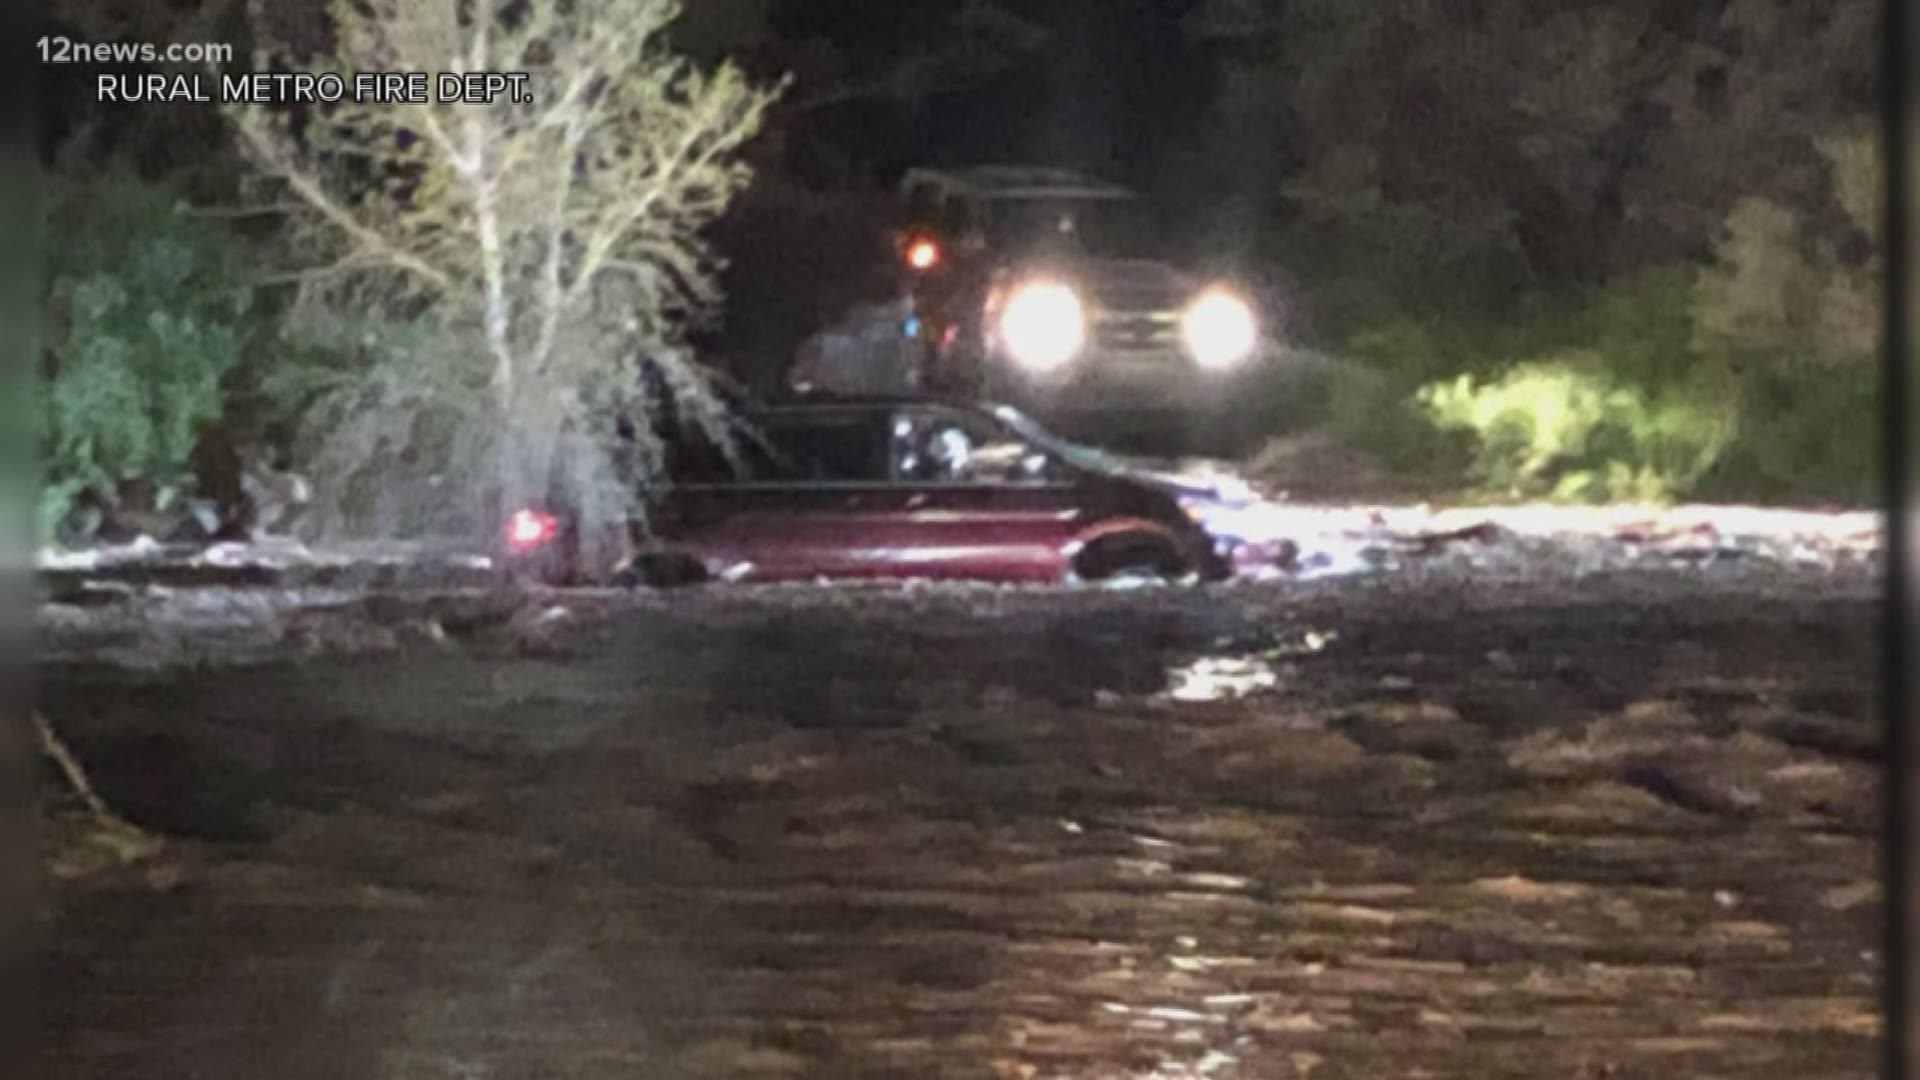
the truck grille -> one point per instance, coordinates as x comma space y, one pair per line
1138, 332
1136, 308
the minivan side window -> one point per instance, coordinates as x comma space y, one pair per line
947, 447
694, 459
827, 449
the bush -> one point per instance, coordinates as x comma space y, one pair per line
1382, 419
1561, 429
1361, 408
391, 421
1796, 312
146, 315
1296, 393
1806, 436
1632, 392
1418, 385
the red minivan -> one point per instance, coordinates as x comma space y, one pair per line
849, 490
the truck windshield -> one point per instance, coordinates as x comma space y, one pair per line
1109, 228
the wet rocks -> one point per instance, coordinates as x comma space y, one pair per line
1664, 749
1423, 729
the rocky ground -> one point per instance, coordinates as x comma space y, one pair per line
1449, 821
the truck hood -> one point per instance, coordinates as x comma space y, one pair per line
1135, 285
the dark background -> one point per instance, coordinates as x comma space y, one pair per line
1673, 199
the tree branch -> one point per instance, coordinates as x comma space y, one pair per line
317, 198
552, 293
609, 236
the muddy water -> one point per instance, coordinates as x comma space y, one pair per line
1619, 829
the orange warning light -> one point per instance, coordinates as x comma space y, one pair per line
923, 255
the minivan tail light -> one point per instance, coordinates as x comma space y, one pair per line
530, 530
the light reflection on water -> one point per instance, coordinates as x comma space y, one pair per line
1205, 1016
1232, 677
1218, 678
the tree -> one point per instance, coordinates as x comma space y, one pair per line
1519, 147
544, 249
147, 309
1677, 201
866, 81
183, 146
908, 54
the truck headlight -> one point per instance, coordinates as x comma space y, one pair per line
1044, 325
1220, 330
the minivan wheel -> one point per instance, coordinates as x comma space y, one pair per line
1131, 560
1137, 578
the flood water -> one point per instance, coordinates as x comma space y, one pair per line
1624, 828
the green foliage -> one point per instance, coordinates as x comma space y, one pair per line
1650, 389
147, 313
1806, 436
19, 352
1618, 249
1561, 429
1518, 148
1791, 309
1362, 408
321, 351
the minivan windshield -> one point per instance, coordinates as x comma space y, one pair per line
1073, 453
